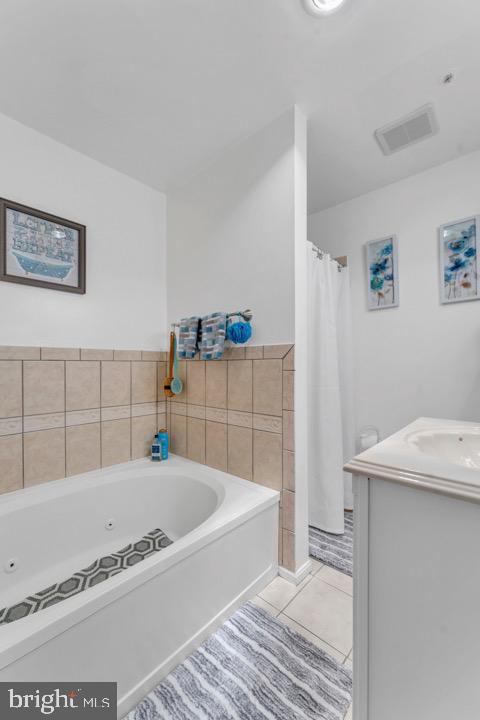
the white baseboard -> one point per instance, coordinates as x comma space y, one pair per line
141, 690
296, 577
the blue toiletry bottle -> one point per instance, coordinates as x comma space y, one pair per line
156, 450
163, 442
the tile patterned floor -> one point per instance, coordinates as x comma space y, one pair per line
320, 608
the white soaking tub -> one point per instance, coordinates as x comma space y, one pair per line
134, 627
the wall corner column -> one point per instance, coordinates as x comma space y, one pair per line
302, 562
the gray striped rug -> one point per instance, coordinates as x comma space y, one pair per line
253, 668
333, 550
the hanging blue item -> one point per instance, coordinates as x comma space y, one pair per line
176, 385
239, 332
239, 329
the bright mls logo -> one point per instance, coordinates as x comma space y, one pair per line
61, 701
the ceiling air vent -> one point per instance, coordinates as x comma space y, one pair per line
407, 131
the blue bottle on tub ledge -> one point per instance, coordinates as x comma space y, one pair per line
163, 441
160, 446
156, 450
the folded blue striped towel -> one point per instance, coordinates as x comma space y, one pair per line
188, 337
213, 332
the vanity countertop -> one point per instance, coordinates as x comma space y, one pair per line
442, 456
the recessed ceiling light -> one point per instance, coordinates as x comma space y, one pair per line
322, 7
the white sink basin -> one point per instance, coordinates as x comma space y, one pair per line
431, 453
450, 444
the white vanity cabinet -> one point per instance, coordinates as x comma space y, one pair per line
417, 575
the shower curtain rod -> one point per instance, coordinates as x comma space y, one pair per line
341, 261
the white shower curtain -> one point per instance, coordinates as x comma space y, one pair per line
330, 374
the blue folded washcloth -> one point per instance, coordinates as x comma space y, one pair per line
188, 337
213, 331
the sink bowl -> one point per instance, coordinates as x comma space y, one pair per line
451, 444
434, 454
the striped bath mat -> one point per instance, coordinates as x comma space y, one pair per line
253, 668
333, 550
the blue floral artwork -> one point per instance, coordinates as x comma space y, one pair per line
40, 249
458, 261
382, 273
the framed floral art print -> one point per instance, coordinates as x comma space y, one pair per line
459, 278
382, 273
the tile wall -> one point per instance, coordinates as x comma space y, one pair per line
65, 411
237, 415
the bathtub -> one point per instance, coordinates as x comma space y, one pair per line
136, 626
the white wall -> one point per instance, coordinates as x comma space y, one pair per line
231, 235
125, 302
301, 335
422, 358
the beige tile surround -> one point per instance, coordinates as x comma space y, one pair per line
236, 415
65, 411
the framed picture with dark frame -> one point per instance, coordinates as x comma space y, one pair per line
37, 248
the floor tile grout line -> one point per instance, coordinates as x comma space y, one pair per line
309, 577
282, 612
340, 652
318, 569
306, 628
330, 584
269, 604
317, 636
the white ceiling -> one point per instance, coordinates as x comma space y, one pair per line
158, 88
